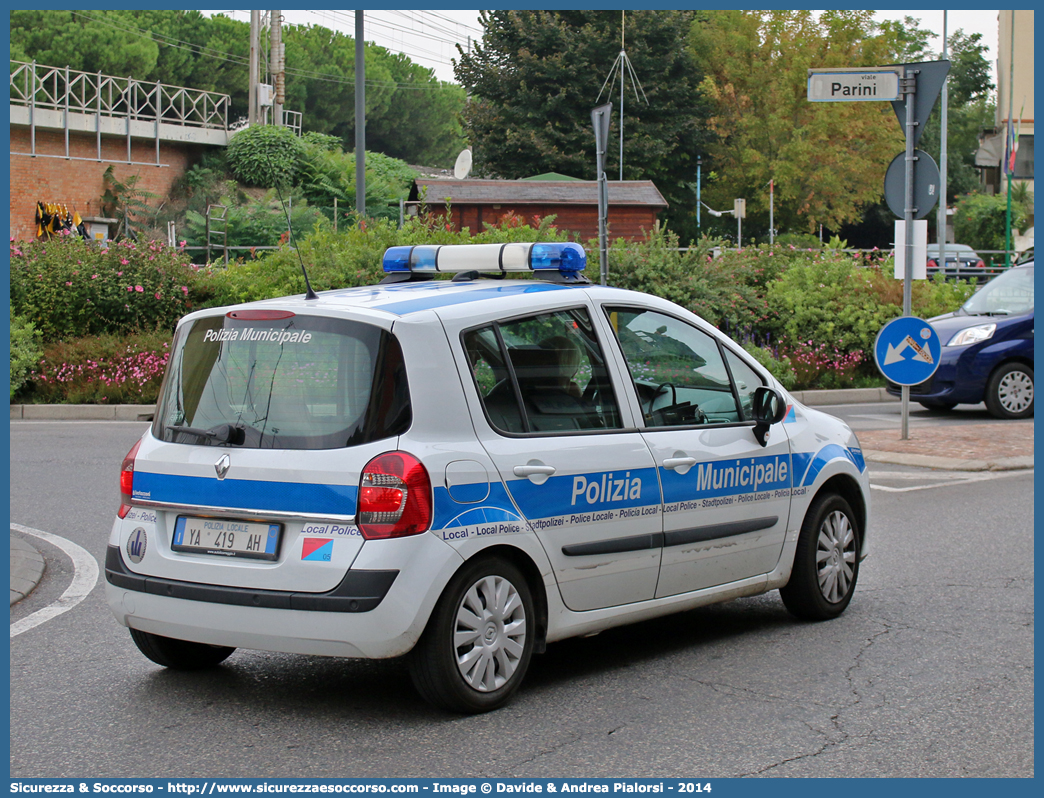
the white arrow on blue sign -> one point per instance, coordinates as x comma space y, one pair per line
907, 350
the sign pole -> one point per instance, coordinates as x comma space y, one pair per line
910, 89
600, 122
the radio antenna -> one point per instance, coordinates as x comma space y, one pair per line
623, 63
309, 293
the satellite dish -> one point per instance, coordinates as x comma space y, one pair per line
462, 167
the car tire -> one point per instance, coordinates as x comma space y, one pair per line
1009, 393
826, 563
479, 640
182, 655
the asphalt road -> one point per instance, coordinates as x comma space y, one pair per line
928, 673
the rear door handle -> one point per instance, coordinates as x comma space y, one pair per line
535, 470
678, 462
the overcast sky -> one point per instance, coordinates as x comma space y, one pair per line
429, 37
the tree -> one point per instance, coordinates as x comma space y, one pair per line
410, 114
827, 160
536, 75
970, 108
82, 40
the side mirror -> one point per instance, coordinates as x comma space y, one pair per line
769, 408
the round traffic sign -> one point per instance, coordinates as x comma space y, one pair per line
926, 184
907, 350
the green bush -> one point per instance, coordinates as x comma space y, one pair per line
776, 364
25, 351
723, 291
68, 287
980, 221
350, 257
264, 155
326, 173
321, 141
834, 301
798, 241
107, 369
255, 223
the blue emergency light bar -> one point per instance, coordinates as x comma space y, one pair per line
568, 259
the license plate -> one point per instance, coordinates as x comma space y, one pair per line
226, 537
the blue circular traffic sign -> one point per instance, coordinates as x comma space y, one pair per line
907, 350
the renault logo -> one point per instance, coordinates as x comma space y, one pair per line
222, 466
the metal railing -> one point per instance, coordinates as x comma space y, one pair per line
62, 89
293, 120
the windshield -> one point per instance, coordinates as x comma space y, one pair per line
1007, 294
294, 382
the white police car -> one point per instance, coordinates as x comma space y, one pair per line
467, 470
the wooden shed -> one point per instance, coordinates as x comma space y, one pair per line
633, 204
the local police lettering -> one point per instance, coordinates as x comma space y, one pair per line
250, 334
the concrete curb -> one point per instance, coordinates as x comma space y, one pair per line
27, 567
83, 412
844, 396
948, 463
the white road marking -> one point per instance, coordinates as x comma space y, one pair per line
85, 577
945, 480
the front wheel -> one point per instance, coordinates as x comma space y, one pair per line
479, 641
179, 654
1009, 393
826, 563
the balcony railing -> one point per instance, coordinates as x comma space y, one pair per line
62, 89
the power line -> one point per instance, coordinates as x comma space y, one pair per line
221, 55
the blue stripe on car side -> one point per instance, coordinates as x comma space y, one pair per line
830, 452
562, 495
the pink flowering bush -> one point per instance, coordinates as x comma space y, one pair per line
68, 287
823, 366
106, 369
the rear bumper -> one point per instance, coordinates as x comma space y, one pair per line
395, 587
359, 591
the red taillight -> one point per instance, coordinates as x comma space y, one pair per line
980, 265
127, 480
932, 264
394, 497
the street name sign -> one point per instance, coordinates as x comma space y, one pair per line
907, 350
828, 85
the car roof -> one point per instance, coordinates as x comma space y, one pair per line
955, 247
403, 299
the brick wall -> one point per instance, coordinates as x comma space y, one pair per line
625, 221
79, 184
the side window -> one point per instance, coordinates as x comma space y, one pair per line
553, 364
746, 379
677, 369
493, 379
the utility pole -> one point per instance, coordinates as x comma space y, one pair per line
277, 66
360, 117
255, 48
942, 163
772, 197
1009, 150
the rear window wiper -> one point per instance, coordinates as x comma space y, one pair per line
223, 433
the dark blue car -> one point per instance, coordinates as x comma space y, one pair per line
987, 353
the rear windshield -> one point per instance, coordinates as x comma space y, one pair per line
297, 382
